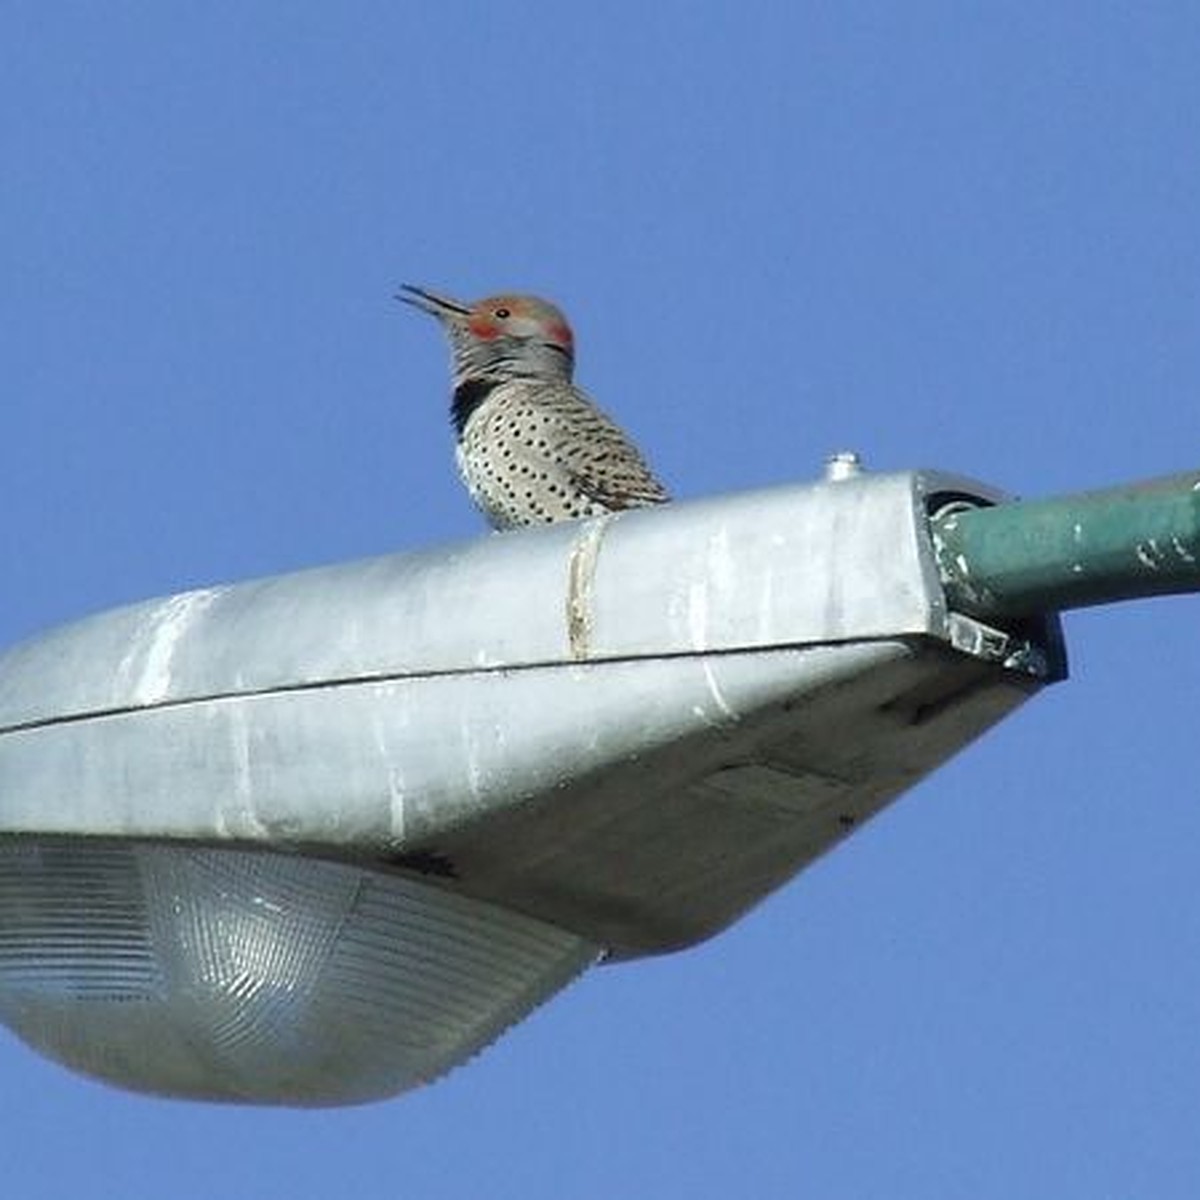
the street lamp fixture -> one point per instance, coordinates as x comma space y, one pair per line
317, 838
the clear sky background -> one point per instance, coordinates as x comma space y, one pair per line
942, 234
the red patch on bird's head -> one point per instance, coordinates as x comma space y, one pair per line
490, 316
560, 333
484, 326
524, 317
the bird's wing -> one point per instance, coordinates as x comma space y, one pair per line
629, 491
614, 473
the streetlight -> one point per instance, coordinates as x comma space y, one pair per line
315, 839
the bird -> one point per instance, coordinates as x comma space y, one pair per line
532, 448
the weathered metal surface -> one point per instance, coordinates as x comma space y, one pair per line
785, 566
1020, 559
632, 728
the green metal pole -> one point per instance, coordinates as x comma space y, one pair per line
1039, 556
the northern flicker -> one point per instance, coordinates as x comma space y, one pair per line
532, 447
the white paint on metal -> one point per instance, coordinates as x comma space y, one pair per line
714, 689
235, 813
397, 806
472, 768
1148, 554
394, 768
146, 668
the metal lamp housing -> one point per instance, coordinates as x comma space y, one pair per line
314, 839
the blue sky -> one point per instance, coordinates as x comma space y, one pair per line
954, 235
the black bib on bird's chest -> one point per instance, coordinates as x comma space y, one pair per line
468, 396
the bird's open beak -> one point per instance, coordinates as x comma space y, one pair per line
441, 307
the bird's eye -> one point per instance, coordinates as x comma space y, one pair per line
503, 314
